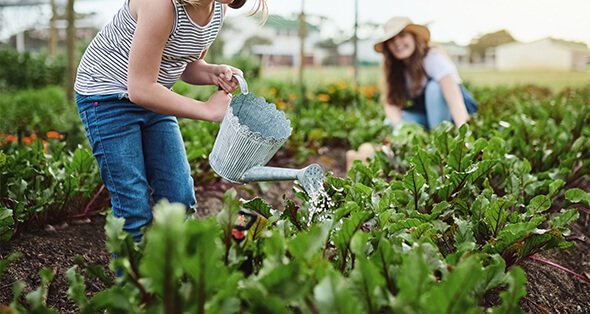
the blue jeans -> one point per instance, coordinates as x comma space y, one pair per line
140, 154
437, 109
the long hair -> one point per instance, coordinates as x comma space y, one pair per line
261, 6
394, 85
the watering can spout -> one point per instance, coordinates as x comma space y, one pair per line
310, 177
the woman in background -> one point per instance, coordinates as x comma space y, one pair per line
421, 84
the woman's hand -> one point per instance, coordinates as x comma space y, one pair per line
216, 106
223, 77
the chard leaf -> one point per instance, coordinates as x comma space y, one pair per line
464, 238
413, 181
577, 195
333, 295
414, 277
455, 294
564, 218
538, 204
164, 244
480, 169
458, 160
259, 206
423, 164
495, 216
516, 290
77, 289
367, 283
307, 244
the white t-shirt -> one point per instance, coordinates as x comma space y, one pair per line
436, 66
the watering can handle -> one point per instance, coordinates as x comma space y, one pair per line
242, 82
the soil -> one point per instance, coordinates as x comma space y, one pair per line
550, 289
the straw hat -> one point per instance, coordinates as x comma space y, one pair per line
396, 25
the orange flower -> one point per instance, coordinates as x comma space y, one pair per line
54, 135
11, 138
324, 97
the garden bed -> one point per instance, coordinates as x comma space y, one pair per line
549, 289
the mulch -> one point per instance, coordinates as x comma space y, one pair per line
549, 289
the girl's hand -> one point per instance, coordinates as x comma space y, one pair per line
223, 77
216, 106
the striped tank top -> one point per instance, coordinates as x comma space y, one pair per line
104, 65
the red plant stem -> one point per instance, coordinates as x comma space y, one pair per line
87, 208
567, 270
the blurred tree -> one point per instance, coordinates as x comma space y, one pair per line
479, 45
52, 49
331, 48
70, 50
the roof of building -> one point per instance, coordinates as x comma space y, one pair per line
570, 45
279, 22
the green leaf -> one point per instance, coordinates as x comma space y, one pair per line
554, 187
414, 181
6, 224
577, 195
423, 164
6, 261
511, 296
38, 297
333, 295
162, 257
77, 289
201, 256
414, 277
457, 157
259, 206
480, 169
307, 244
464, 238
538, 204
564, 218
495, 215
349, 227
367, 281
455, 294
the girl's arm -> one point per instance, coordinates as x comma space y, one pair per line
454, 98
201, 73
393, 113
154, 24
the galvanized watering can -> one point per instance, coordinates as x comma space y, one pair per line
250, 134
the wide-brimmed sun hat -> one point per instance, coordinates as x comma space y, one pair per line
396, 25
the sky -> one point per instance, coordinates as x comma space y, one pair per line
449, 20
461, 20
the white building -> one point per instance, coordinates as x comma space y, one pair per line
544, 54
283, 35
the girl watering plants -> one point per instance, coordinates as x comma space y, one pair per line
127, 105
421, 84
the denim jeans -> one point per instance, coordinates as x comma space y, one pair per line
140, 154
437, 109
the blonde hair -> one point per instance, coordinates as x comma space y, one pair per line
261, 6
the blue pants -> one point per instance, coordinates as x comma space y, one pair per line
140, 154
437, 109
